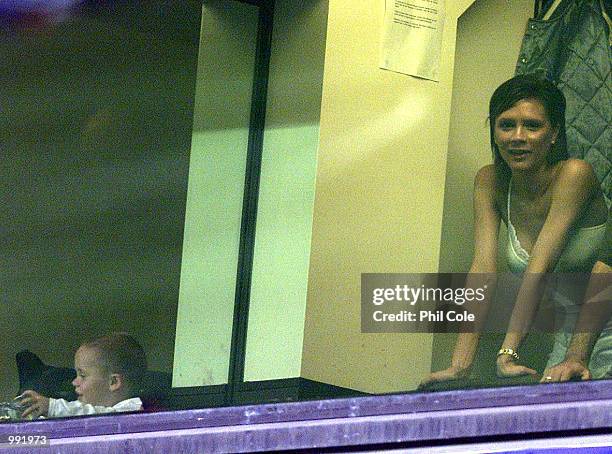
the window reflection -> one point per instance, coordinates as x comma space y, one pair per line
95, 132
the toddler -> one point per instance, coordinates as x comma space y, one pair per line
109, 376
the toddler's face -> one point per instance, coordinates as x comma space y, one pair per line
91, 383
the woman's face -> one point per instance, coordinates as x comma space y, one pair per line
524, 136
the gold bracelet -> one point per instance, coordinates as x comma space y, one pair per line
508, 351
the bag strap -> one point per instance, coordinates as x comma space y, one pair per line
604, 13
551, 9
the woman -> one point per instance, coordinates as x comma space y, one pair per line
552, 205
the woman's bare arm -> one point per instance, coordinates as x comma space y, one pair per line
574, 188
594, 314
482, 274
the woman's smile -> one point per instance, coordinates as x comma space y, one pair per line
519, 152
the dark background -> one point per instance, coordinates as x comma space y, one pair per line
96, 111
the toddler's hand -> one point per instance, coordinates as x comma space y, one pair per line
36, 404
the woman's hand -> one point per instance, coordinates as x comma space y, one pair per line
566, 370
452, 373
37, 405
506, 367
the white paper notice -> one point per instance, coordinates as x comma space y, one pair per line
412, 37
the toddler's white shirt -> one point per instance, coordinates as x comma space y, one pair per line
61, 407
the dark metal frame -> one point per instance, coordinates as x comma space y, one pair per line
250, 198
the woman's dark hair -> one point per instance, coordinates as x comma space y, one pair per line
529, 86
